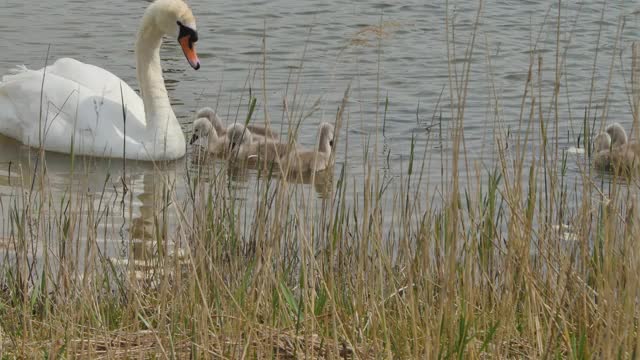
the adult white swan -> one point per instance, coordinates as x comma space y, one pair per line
82, 105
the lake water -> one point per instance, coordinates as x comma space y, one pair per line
394, 51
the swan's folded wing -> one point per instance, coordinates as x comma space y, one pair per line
70, 114
100, 81
94, 80
263, 131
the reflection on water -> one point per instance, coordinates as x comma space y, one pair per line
149, 226
207, 167
322, 181
143, 227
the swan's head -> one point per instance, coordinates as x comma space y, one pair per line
175, 17
209, 113
617, 134
602, 142
202, 129
326, 137
238, 136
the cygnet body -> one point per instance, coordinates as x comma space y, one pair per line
617, 134
613, 152
258, 133
314, 160
239, 141
269, 151
245, 146
206, 135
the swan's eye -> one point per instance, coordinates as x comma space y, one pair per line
187, 31
331, 143
187, 37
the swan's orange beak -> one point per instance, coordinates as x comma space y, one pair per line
188, 47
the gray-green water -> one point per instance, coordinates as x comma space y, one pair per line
394, 50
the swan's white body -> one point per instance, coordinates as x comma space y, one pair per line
81, 112
82, 105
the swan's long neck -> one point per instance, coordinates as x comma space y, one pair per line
157, 108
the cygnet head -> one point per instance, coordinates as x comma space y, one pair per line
326, 137
601, 142
209, 113
238, 136
202, 128
173, 17
617, 134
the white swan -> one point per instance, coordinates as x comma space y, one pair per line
82, 104
258, 133
314, 160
